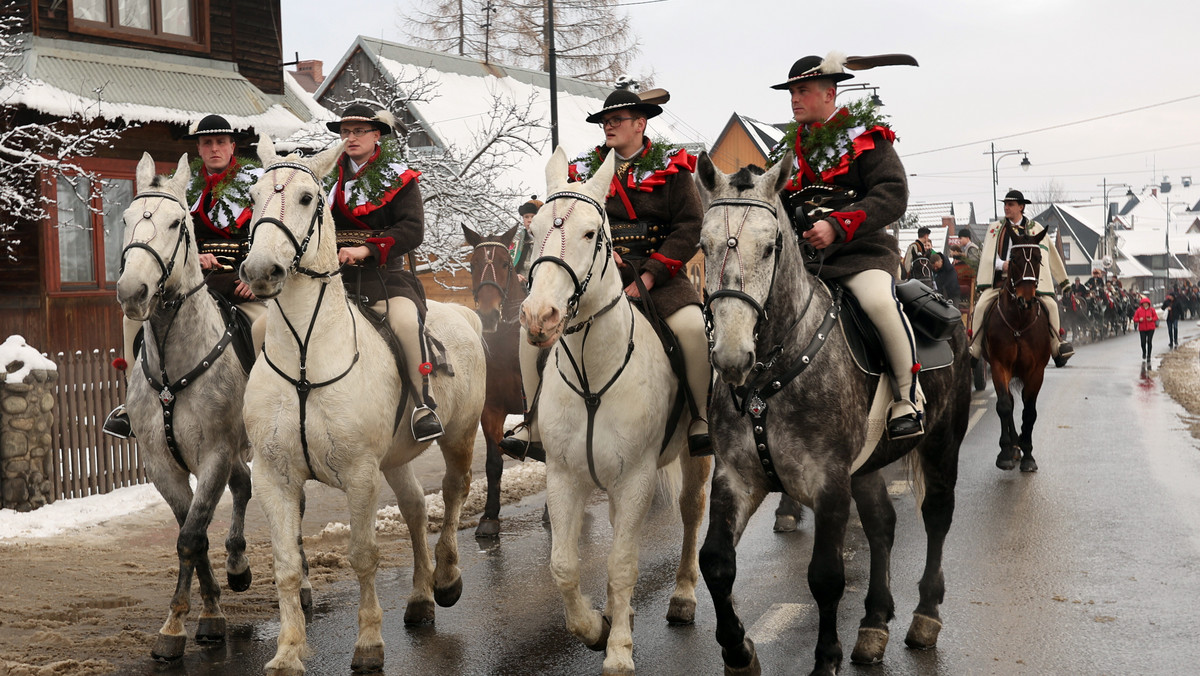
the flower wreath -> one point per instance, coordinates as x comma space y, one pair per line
233, 190
824, 145
655, 157
373, 184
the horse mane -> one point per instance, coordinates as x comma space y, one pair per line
159, 181
743, 180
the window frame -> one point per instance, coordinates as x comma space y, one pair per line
199, 41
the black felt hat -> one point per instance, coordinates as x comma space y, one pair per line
212, 125
382, 120
530, 207
624, 99
1015, 196
814, 68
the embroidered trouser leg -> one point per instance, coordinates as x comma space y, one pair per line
981, 307
875, 292
402, 317
1052, 314
687, 323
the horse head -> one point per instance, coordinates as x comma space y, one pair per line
1024, 266
742, 236
493, 278
290, 212
159, 260
573, 272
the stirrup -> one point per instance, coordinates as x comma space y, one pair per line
427, 427
907, 425
518, 448
699, 445
117, 423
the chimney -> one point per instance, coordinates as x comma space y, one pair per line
1165, 185
1186, 181
309, 74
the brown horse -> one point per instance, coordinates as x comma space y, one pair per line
1017, 346
498, 296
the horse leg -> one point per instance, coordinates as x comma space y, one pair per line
827, 574
730, 506
879, 523
628, 504
1009, 453
937, 511
172, 638
237, 566
410, 498
1029, 416
456, 483
280, 496
565, 500
787, 514
306, 601
209, 489
362, 497
682, 609
492, 423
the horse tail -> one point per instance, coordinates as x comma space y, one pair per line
670, 483
916, 476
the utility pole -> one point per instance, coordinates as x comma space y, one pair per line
488, 10
553, 69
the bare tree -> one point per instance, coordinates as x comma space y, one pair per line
32, 149
1050, 193
593, 39
460, 184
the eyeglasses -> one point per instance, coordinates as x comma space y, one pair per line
614, 122
357, 132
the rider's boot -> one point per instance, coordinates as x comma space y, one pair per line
523, 441
406, 323
906, 415
117, 423
985, 301
1059, 349
688, 326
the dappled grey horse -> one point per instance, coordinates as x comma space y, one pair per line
774, 332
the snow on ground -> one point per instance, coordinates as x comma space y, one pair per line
15, 350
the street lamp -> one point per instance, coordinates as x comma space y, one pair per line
1108, 249
1025, 164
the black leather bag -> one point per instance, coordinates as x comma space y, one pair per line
929, 312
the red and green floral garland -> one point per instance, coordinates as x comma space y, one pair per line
233, 190
378, 178
824, 145
654, 158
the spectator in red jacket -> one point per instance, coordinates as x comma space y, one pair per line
1146, 319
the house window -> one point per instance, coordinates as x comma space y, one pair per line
90, 232
166, 22
1066, 250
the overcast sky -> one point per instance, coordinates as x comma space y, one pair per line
990, 71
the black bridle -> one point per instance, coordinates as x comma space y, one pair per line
557, 226
184, 240
732, 246
489, 266
314, 224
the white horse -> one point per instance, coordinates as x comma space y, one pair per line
185, 395
322, 404
608, 369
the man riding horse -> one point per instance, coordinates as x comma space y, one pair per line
917, 263
994, 266
219, 195
654, 212
848, 150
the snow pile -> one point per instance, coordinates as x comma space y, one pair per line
76, 513
17, 359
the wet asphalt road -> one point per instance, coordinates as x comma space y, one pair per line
1089, 566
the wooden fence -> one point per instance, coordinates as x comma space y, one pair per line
87, 461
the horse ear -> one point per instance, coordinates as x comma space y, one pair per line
266, 150
706, 172
182, 176
473, 238
556, 170
507, 237
1040, 236
597, 186
323, 162
145, 172
779, 174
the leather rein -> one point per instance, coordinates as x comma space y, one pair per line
1029, 273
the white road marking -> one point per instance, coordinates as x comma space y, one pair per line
776, 620
975, 418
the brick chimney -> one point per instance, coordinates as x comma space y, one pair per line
309, 74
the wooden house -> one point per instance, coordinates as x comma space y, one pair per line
148, 68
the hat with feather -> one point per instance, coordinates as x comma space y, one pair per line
833, 67
382, 120
627, 99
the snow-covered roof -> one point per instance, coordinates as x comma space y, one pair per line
937, 236
111, 82
465, 90
930, 214
764, 135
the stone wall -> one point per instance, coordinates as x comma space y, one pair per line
26, 416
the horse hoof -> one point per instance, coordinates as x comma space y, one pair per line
367, 660
168, 648
487, 529
448, 596
923, 632
306, 598
239, 582
785, 523
1028, 464
872, 642
1008, 457
601, 643
1005, 463
210, 630
418, 613
753, 668
681, 611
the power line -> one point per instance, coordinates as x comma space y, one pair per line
1056, 126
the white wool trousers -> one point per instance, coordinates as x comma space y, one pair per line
875, 291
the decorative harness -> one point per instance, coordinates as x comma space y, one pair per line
591, 399
763, 383
302, 384
1029, 273
489, 267
167, 389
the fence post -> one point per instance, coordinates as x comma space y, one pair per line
26, 420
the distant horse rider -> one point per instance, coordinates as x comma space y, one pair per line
916, 259
221, 207
993, 269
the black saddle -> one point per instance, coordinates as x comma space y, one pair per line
243, 337
933, 347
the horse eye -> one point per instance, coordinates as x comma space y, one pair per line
306, 199
769, 251
176, 224
590, 235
